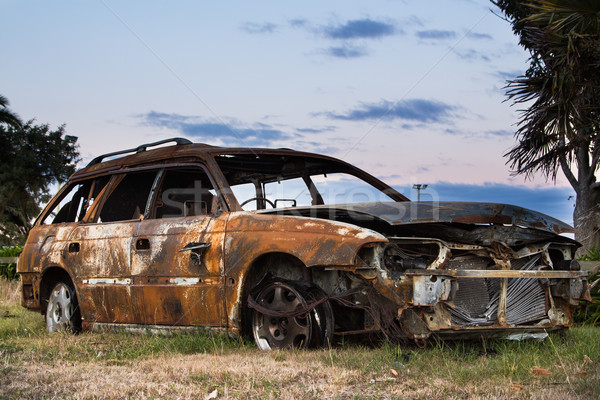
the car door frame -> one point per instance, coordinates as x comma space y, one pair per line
181, 292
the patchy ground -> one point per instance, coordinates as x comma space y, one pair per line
34, 364
255, 375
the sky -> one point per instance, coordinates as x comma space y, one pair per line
410, 91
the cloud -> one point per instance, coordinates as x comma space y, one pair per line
359, 29
254, 28
472, 55
313, 130
348, 32
500, 132
346, 51
329, 147
298, 23
412, 20
436, 34
420, 110
469, 134
229, 130
508, 75
479, 36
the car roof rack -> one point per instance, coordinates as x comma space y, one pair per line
139, 149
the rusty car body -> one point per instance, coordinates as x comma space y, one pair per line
254, 242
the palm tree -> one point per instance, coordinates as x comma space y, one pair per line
7, 116
560, 128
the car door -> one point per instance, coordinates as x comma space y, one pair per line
176, 254
50, 243
100, 252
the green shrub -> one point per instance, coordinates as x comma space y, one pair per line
592, 254
9, 271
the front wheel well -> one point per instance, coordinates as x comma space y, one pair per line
283, 265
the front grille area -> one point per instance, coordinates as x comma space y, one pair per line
477, 299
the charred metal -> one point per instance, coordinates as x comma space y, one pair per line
289, 248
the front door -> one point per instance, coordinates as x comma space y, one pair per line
176, 254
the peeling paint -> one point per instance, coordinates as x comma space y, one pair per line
184, 281
107, 281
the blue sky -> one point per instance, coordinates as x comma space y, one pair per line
411, 91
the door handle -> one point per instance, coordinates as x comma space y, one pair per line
142, 244
195, 246
73, 247
196, 249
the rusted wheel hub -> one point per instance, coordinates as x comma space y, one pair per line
285, 331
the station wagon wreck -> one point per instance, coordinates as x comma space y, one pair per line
289, 248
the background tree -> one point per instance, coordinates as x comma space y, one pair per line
559, 129
33, 158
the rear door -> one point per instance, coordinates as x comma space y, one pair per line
100, 251
50, 242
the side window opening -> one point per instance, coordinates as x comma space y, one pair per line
244, 192
185, 192
288, 193
76, 201
128, 200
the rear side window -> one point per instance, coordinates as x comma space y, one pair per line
76, 201
128, 200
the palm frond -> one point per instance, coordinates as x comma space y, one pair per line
561, 89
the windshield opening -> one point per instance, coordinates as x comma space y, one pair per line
269, 181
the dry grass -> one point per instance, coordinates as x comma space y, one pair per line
10, 292
36, 365
251, 374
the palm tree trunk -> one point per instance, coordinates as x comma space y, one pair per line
586, 216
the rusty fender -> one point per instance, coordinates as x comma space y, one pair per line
314, 242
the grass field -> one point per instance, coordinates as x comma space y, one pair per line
34, 364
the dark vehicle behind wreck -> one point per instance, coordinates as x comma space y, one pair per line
289, 248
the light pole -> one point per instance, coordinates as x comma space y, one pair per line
419, 187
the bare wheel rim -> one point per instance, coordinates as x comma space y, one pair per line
60, 308
275, 332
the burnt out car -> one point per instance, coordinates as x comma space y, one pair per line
289, 248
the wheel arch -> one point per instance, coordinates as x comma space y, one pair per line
50, 277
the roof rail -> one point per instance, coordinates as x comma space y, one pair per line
140, 148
